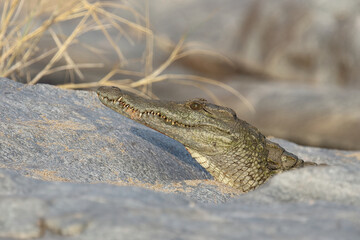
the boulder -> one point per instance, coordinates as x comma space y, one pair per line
72, 168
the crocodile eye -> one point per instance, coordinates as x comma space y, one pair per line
195, 106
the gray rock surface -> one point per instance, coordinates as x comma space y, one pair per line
49, 210
73, 169
82, 137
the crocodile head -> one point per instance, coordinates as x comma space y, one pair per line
233, 151
197, 124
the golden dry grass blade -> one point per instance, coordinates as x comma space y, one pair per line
205, 52
149, 44
24, 53
71, 66
162, 67
7, 15
123, 83
20, 45
149, 49
79, 85
115, 71
66, 55
3, 15
20, 65
201, 87
61, 50
109, 38
130, 73
20, 42
208, 81
18, 10
107, 76
127, 8
134, 26
130, 89
121, 30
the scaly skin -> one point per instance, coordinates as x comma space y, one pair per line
230, 149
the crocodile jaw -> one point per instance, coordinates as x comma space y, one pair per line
175, 119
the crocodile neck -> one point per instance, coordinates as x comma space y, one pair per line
231, 150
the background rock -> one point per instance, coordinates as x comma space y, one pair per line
64, 175
308, 41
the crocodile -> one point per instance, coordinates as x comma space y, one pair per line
230, 149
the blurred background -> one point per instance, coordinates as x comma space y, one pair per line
288, 67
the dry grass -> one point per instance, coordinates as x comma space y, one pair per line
23, 25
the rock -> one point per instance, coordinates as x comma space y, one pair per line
302, 41
94, 211
81, 138
71, 168
20, 215
69, 136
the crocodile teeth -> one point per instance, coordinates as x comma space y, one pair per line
127, 107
